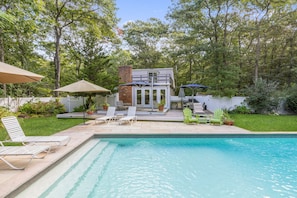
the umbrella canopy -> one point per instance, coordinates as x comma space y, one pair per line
194, 86
82, 87
12, 74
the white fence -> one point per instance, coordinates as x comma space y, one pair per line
71, 102
212, 103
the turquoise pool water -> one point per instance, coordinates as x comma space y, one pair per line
183, 167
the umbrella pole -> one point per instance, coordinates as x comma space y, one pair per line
84, 113
192, 99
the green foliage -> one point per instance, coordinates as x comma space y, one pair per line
105, 104
226, 116
92, 108
161, 103
291, 100
42, 108
145, 39
260, 96
222, 44
241, 110
79, 109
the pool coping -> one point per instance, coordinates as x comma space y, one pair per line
80, 134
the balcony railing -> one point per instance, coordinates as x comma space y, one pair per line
161, 78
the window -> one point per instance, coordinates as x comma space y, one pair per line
153, 75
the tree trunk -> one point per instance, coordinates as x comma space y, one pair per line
257, 52
2, 58
57, 60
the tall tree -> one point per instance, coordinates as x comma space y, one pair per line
72, 15
145, 41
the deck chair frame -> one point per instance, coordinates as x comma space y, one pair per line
33, 152
110, 115
17, 134
131, 116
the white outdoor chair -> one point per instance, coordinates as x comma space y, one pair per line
17, 134
198, 108
110, 115
33, 152
131, 116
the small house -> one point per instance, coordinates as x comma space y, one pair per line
159, 86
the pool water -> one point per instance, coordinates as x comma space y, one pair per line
183, 167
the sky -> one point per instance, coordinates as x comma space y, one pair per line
132, 10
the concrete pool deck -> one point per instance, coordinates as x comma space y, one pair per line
13, 181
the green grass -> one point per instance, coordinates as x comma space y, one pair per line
51, 125
43, 126
266, 123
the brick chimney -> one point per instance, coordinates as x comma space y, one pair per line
125, 92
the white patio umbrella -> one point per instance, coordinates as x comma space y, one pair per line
80, 87
12, 74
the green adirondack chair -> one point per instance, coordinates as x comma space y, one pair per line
188, 117
217, 117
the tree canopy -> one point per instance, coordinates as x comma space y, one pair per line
226, 45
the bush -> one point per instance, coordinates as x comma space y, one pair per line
260, 96
241, 110
42, 108
291, 100
79, 109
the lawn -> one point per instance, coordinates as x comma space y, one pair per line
255, 122
43, 126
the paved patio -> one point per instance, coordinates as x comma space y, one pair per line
13, 181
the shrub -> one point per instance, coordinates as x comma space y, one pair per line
291, 100
79, 109
260, 96
42, 108
241, 110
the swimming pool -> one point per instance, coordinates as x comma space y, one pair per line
183, 167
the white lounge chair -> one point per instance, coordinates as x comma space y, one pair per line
16, 134
198, 108
12, 151
110, 115
131, 116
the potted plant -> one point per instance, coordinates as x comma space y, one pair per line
91, 109
105, 106
161, 105
227, 119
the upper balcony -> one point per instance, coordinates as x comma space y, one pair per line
162, 79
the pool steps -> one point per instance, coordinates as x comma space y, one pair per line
87, 183
78, 170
